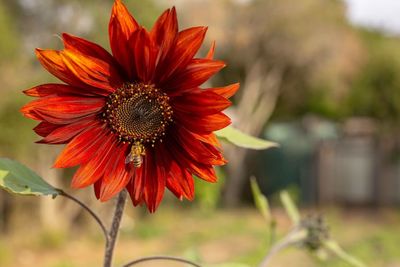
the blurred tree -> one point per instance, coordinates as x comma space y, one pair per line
299, 56
8, 35
376, 90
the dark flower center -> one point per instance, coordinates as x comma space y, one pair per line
138, 112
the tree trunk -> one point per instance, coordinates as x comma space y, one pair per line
259, 96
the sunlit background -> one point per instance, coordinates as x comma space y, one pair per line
320, 77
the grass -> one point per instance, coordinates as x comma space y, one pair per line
212, 238
5, 254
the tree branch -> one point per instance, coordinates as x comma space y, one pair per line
163, 258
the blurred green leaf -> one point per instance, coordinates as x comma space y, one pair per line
192, 254
290, 207
320, 254
241, 139
18, 179
260, 200
334, 247
208, 195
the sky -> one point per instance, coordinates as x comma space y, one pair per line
382, 14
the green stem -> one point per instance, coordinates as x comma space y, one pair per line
292, 238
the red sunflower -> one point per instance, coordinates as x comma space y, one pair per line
136, 119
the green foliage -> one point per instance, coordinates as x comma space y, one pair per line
16, 133
208, 194
334, 247
148, 231
260, 200
291, 208
380, 247
64, 264
305, 231
240, 139
320, 102
51, 239
8, 35
5, 253
376, 90
18, 179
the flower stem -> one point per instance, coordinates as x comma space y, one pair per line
89, 210
113, 233
163, 258
292, 238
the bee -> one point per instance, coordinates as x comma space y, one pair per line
135, 157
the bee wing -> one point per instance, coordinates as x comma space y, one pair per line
128, 159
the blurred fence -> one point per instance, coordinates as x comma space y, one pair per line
351, 163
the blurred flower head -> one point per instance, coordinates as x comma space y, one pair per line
136, 118
317, 231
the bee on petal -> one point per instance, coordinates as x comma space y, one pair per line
135, 157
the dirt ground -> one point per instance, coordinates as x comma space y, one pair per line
211, 238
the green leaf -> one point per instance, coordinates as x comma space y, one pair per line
260, 200
18, 179
334, 247
241, 139
290, 207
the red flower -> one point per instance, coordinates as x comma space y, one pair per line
135, 119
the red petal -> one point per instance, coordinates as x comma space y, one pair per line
227, 91
62, 110
203, 171
145, 51
158, 30
117, 175
81, 149
63, 134
196, 73
155, 179
180, 182
51, 60
122, 26
211, 52
187, 44
45, 128
201, 103
135, 186
203, 124
164, 33
165, 29
93, 170
209, 138
92, 71
97, 188
61, 90
87, 48
197, 150
81, 71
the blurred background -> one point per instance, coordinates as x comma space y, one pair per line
320, 77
